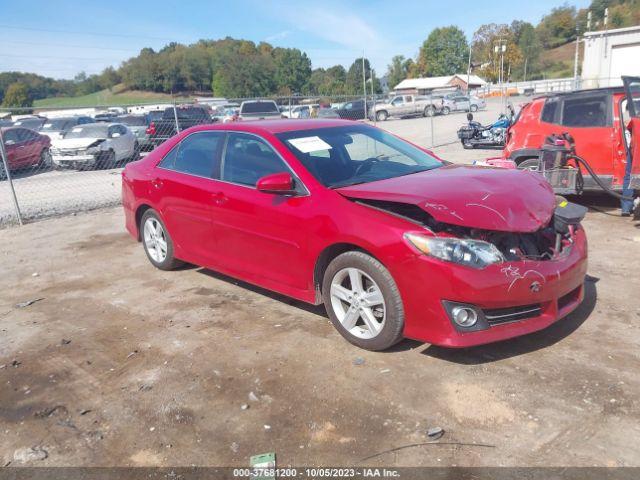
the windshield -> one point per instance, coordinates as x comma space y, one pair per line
91, 130
58, 124
342, 156
33, 123
259, 107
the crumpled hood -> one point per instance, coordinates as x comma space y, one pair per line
476, 197
73, 142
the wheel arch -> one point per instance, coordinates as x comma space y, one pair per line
326, 257
142, 208
520, 156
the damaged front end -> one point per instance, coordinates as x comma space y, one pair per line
478, 248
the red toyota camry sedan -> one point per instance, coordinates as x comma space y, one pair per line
394, 241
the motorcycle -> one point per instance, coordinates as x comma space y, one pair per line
474, 134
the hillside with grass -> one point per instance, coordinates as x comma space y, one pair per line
118, 95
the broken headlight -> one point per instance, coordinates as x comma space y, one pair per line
470, 253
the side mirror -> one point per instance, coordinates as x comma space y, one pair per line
10, 142
469, 116
278, 183
115, 135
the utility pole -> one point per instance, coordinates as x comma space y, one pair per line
525, 69
501, 48
364, 88
575, 62
469, 68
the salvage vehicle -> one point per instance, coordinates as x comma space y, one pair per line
138, 124
459, 102
259, 110
476, 135
594, 119
175, 120
354, 110
32, 122
55, 128
95, 145
25, 149
406, 106
394, 241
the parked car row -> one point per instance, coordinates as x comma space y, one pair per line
68, 142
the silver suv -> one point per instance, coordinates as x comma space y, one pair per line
458, 102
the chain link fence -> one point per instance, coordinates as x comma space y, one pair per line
68, 160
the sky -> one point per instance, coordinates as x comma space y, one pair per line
61, 38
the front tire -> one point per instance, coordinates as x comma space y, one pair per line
363, 301
156, 241
107, 160
382, 116
45, 159
531, 164
473, 108
446, 110
429, 111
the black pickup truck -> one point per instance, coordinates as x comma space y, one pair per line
185, 117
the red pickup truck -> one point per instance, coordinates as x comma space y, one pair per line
598, 121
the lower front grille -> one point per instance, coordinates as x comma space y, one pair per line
498, 316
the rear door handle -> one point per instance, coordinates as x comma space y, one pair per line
219, 198
157, 183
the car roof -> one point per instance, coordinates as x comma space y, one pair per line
581, 92
277, 126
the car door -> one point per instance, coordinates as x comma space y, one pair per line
11, 146
31, 147
262, 236
632, 93
463, 103
183, 189
408, 105
589, 120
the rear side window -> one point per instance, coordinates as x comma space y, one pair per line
259, 107
549, 110
585, 112
196, 155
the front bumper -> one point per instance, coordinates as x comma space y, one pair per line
493, 290
74, 161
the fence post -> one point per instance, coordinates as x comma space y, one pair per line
433, 142
175, 116
5, 161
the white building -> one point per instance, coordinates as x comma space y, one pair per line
608, 55
422, 86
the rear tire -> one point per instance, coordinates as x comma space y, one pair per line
446, 110
473, 108
157, 242
467, 146
429, 111
369, 311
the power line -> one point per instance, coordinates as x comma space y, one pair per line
28, 57
98, 34
39, 44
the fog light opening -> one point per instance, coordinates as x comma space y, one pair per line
464, 316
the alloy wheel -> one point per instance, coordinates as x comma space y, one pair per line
155, 240
358, 303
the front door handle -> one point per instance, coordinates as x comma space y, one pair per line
219, 198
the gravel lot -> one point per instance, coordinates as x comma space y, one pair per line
51, 193
120, 364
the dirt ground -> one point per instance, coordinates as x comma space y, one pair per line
120, 364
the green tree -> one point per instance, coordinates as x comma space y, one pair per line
292, 69
353, 82
558, 27
17, 95
444, 52
398, 70
530, 47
